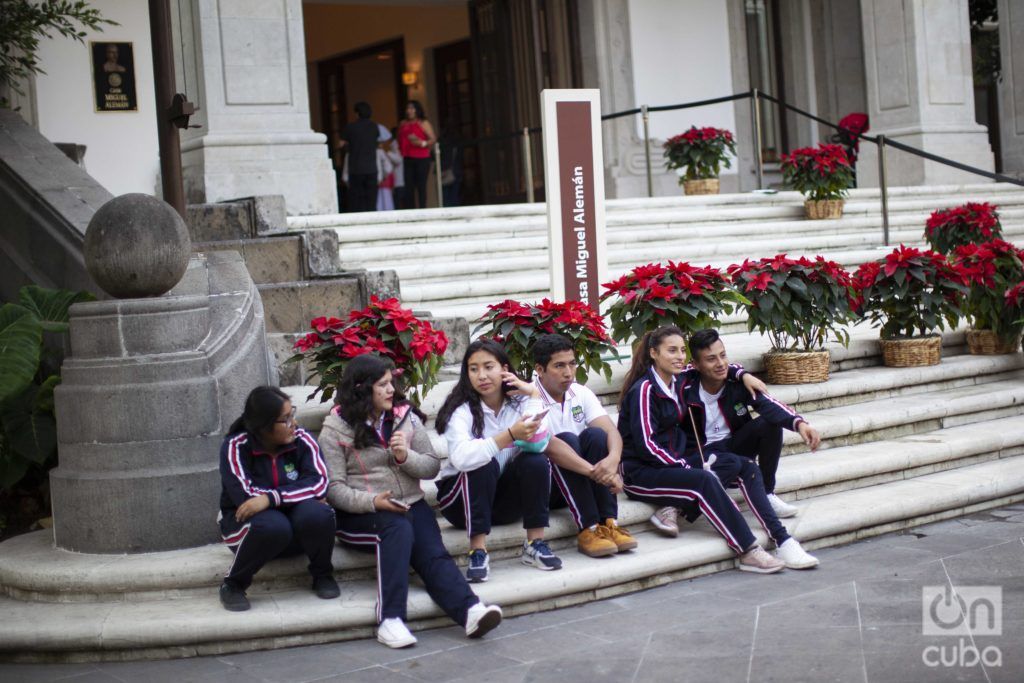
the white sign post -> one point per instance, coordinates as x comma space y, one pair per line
574, 186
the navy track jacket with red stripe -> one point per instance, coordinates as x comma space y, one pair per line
291, 475
736, 404
652, 424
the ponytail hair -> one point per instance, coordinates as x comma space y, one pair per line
262, 409
464, 391
642, 356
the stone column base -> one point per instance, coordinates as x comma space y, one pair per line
968, 146
219, 166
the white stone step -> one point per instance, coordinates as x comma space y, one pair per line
197, 625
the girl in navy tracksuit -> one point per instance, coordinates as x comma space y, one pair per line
656, 463
377, 451
271, 505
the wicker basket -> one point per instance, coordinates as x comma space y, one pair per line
816, 209
988, 343
796, 367
701, 186
911, 352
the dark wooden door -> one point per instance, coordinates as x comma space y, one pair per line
456, 112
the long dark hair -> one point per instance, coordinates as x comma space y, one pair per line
464, 391
262, 409
421, 114
354, 397
642, 356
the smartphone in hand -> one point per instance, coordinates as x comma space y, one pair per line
398, 503
538, 416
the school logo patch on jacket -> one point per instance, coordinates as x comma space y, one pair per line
740, 409
577, 413
290, 471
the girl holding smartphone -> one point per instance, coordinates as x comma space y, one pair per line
377, 451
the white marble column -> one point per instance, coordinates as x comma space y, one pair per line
1011, 94
243, 63
917, 58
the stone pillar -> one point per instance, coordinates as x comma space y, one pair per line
148, 391
917, 58
244, 64
1011, 97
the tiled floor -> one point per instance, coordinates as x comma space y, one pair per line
858, 617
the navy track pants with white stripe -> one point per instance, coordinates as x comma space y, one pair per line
588, 501
680, 487
735, 470
404, 540
305, 527
477, 499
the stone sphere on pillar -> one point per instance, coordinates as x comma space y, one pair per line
137, 246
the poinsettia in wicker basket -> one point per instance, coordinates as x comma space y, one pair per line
517, 325
384, 328
822, 174
991, 268
702, 152
800, 304
910, 294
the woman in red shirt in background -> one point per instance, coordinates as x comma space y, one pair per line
415, 139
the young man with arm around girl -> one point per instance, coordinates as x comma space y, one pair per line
657, 466
377, 451
271, 505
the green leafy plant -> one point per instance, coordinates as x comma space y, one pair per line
991, 269
384, 328
822, 172
24, 22
701, 151
517, 325
910, 292
800, 304
690, 297
28, 437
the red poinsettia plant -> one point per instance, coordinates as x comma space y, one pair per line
971, 223
384, 328
822, 172
517, 325
799, 303
1015, 302
991, 269
649, 296
909, 292
701, 151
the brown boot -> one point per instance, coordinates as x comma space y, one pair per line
619, 536
594, 543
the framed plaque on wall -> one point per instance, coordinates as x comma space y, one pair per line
113, 76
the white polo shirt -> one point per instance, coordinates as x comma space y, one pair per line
715, 426
578, 409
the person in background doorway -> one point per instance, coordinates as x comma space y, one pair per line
360, 140
389, 164
415, 140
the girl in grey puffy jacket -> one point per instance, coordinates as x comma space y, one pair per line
377, 450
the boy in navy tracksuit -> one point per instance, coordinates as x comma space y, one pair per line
721, 409
271, 504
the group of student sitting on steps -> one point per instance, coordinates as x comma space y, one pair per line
516, 450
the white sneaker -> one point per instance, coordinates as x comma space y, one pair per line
795, 557
482, 618
393, 633
781, 507
666, 520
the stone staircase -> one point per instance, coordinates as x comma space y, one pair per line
453, 262
901, 447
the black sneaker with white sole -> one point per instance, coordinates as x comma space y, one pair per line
538, 553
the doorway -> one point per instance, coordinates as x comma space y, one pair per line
371, 74
456, 118
764, 61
